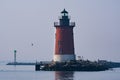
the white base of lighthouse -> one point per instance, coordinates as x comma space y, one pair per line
62, 58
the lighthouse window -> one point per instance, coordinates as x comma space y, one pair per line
59, 43
60, 47
60, 50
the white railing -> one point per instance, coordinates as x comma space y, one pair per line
72, 24
57, 24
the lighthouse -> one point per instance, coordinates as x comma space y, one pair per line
64, 39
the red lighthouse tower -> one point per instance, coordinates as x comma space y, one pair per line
64, 43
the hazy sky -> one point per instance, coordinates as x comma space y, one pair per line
22, 22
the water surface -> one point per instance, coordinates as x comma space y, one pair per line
28, 73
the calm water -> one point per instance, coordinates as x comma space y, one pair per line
28, 73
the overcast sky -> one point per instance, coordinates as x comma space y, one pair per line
23, 22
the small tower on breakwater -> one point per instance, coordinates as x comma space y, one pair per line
15, 51
64, 43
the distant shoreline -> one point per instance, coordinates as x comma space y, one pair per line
20, 63
27, 63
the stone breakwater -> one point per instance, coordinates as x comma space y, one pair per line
77, 65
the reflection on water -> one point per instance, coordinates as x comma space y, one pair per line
64, 75
8, 72
16, 68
